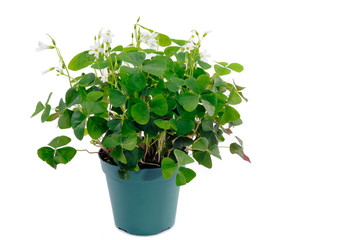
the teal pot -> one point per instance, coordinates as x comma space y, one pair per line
146, 203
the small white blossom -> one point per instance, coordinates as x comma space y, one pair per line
204, 56
193, 36
188, 47
107, 36
104, 77
149, 39
96, 49
42, 46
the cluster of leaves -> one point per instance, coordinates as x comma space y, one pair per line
155, 107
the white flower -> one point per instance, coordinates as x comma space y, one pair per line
204, 56
188, 47
104, 77
107, 36
193, 36
149, 39
42, 46
96, 49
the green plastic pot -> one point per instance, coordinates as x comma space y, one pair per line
144, 204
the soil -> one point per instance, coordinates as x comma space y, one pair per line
106, 158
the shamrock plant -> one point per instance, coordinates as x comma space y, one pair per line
152, 103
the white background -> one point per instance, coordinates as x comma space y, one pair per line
301, 125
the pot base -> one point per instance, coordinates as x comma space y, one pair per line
137, 234
145, 204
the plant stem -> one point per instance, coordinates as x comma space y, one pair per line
85, 150
63, 64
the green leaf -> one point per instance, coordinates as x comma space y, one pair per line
53, 116
61, 107
115, 125
202, 83
214, 150
140, 113
86, 79
224, 64
201, 144
169, 167
65, 119
170, 51
182, 157
91, 107
221, 102
184, 176
148, 51
72, 97
159, 105
173, 124
162, 123
182, 142
136, 81
130, 49
174, 83
130, 140
218, 82
135, 58
64, 155
230, 114
163, 40
207, 125
181, 57
188, 101
47, 154
209, 102
203, 158
112, 140
240, 93
240, 141
211, 137
96, 126
80, 61
238, 149
191, 83
198, 85
47, 101
133, 158
116, 98
39, 107
235, 67
118, 48
179, 42
95, 95
204, 65
59, 141
155, 67
78, 124
118, 155
234, 98
46, 113
184, 125
221, 70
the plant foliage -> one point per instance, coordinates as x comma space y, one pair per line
153, 102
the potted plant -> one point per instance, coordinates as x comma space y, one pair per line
152, 108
